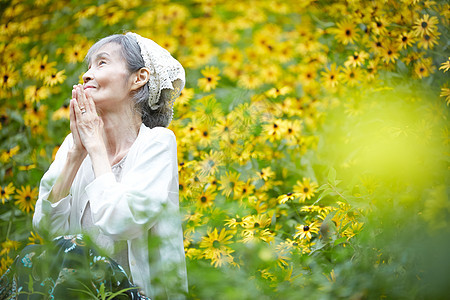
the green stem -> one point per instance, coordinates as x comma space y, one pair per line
10, 224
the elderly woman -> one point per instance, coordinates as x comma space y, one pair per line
115, 176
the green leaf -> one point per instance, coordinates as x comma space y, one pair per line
339, 241
323, 194
332, 176
119, 293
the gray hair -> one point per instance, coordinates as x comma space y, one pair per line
131, 52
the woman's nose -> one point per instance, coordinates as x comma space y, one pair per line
87, 76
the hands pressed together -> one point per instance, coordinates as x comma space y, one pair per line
85, 124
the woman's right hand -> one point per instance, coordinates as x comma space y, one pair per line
78, 148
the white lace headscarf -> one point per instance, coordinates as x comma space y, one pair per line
167, 76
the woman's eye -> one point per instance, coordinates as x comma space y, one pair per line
102, 62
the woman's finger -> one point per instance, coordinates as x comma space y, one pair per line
81, 98
90, 102
72, 113
77, 109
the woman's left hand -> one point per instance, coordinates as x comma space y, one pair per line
89, 124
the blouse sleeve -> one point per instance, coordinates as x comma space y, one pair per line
53, 218
148, 190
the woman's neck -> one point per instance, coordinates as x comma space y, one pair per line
120, 130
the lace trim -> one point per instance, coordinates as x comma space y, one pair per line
166, 73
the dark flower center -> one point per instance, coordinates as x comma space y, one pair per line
306, 228
203, 199
424, 24
305, 190
216, 244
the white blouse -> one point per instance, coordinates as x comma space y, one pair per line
141, 209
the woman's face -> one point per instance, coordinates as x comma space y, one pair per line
107, 78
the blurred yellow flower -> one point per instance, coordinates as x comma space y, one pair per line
26, 198
210, 79
346, 32
305, 231
7, 154
305, 188
8, 76
6, 192
445, 65
425, 25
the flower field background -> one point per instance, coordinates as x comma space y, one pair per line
313, 137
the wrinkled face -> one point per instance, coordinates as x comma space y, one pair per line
107, 78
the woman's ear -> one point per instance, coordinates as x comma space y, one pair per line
140, 78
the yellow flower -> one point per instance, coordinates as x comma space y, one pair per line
379, 26
253, 235
428, 40
36, 94
8, 76
6, 155
235, 222
351, 76
75, 53
55, 78
62, 113
405, 40
445, 65
185, 95
26, 198
425, 25
305, 231
390, 53
27, 167
5, 263
305, 188
230, 183
266, 173
210, 163
273, 130
346, 32
210, 79
445, 93
215, 244
39, 67
249, 81
331, 76
357, 59
275, 92
286, 197
35, 239
6, 192
232, 56
353, 230
205, 200
424, 67
9, 245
